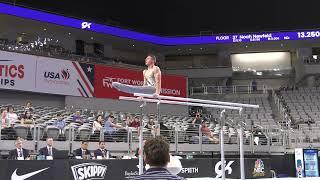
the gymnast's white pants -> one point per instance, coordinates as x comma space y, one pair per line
134, 89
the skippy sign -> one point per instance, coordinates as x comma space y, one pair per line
88, 171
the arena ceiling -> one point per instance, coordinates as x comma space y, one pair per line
171, 18
12, 26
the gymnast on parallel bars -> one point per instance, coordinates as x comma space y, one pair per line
151, 80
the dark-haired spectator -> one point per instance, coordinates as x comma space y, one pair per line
207, 132
126, 122
110, 127
113, 131
197, 119
27, 118
97, 128
150, 124
156, 155
60, 123
204, 129
77, 117
155, 129
11, 117
135, 123
97, 124
258, 136
29, 107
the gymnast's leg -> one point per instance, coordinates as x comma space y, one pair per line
133, 89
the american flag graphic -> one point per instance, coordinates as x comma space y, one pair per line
86, 78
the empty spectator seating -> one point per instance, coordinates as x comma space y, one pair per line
45, 117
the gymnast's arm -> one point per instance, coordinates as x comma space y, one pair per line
144, 78
157, 75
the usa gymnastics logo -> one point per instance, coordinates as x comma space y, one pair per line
63, 75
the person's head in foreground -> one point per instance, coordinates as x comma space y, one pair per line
156, 154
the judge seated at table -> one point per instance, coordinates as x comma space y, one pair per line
19, 153
102, 152
82, 151
49, 150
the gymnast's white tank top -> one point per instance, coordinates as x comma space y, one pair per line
150, 78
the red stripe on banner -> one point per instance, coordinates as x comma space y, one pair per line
80, 92
82, 77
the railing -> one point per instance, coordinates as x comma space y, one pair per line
236, 89
181, 138
283, 111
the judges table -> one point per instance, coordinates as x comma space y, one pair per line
123, 169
